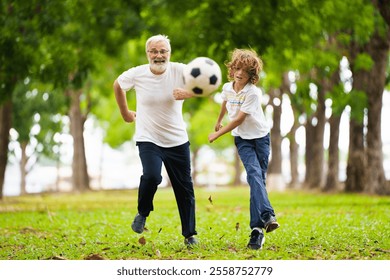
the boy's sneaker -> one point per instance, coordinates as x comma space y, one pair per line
138, 224
257, 239
271, 224
190, 241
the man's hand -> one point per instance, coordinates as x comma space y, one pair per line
181, 94
129, 116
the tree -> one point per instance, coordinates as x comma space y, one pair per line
337, 93
369, 62
90, 28
378, 49
35, 125
22, 25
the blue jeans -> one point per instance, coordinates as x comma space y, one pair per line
178, 165
254, 154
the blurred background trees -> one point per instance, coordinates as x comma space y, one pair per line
321, 58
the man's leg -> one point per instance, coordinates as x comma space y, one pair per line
178, 165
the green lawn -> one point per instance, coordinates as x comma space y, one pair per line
97, 225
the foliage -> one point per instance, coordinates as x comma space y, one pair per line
22, 25
81, 44
104, 104
313, 227
36, 117
358, 101
363, 62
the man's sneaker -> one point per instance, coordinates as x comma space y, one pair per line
138, 224
271, 224
257, 239
190, 241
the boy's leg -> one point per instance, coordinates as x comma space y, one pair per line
255, 160
262, 152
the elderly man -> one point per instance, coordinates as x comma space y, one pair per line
160, 134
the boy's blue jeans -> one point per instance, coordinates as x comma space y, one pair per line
254, 154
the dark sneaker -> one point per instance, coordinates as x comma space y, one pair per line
271, 224
190, 241
138, 224
256, 240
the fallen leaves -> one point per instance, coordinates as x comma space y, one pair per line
94, 257
56, 258
142, 241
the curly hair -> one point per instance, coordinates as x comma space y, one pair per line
248, 60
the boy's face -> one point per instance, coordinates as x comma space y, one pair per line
241, 75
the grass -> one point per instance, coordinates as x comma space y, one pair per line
96, 225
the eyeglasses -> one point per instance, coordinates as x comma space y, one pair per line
156, 52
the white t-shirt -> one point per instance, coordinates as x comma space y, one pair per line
159, 116
248, 100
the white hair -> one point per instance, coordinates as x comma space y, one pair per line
158, 38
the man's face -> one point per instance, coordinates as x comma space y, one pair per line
158, 56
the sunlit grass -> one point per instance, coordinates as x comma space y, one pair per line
97, 225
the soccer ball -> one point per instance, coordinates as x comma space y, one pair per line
202, 76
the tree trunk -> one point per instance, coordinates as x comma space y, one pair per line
378, 48
315, 143
80, 178
5, 126
309, 136
275, 179
332, 178
371, 82
23, 171
356, 166
294, 148
275, 165
318, 179
58, 177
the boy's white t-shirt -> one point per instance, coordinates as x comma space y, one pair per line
248, 100
159, 116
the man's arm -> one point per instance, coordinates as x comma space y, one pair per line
181, 94
120, 96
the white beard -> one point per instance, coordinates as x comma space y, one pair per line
159, 68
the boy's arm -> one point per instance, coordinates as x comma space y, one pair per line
222, 113
229, 127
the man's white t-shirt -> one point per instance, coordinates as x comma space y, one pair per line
159, 116
248, 100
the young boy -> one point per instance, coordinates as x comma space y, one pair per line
241, 100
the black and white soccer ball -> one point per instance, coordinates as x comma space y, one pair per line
202, 76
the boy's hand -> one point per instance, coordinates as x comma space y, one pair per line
212, 137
